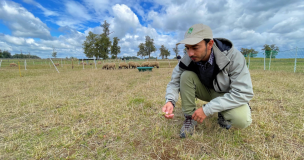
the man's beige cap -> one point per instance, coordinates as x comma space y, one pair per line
196, 33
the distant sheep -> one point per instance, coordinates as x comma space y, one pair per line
154, 64
105, 66
13, 65
56, 64
99, 62
84, 63
145, 64
132, 65
123, 65
91, 63
111, 65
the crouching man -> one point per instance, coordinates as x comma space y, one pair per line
213, 71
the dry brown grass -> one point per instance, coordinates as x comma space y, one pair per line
101, 114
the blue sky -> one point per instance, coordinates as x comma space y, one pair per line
36, 26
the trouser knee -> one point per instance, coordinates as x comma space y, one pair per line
186, 76
239, 117
241, 122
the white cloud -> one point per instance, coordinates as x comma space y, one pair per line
21, 22
97, 5
124, 20
75, 15
178, 17
77, 10
14, 40
5, 47
46, 12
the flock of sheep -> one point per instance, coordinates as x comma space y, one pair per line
130, 65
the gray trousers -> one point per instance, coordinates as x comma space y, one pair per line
191, 88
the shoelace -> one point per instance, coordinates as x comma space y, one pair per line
188, 121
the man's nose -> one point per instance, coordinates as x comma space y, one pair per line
190, 52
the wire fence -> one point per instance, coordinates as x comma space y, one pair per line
289, 61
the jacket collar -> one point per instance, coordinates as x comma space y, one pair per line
222, 47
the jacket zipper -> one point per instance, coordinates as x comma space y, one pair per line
225, 66
217, 84
216, 77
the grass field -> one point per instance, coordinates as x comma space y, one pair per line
101, 114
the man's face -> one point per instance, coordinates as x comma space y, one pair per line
199, 51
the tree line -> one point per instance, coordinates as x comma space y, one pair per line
269, 51
146, 48
7, 54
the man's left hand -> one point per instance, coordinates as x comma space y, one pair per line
199, 115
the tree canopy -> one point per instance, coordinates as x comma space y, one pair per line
141, 51
99, 46
246, 52
128, 57
149, 46
115, 49
164, 52
103, 46
272, 50
5, 54
54, 54
25, 56
176, 51
105, 27
146, 48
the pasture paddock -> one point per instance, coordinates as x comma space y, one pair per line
101, 114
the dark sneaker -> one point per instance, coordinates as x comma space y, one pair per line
188, 127
222, 122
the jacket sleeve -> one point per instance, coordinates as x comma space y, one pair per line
172, 91
240, 89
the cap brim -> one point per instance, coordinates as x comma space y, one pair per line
190, 41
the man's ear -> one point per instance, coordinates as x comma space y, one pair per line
210, 44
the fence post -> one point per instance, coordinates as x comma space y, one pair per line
19, 68
25, 64
54, 65
0, 63
295, 66
264, 59
82, 64
249, 60
95, 63
270, 59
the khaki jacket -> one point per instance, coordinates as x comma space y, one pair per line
233, 79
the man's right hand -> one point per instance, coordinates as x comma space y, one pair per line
168, 110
